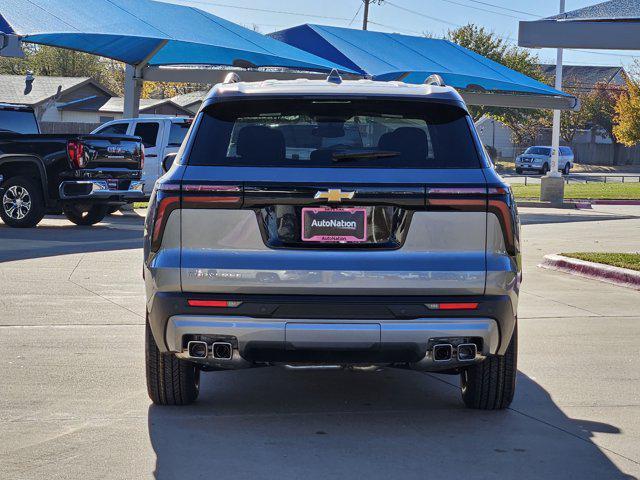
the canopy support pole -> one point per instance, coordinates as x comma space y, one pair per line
132, 90
552, 185
133, 83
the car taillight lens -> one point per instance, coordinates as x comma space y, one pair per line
497, 200
169, 196
164, 200
141, 157
75, 151
452, 306
214, 303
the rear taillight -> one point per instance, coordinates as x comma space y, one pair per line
164, 200
75, 151
141, 157
452, 306
168, 197
497, 200
214, 303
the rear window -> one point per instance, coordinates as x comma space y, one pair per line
334, 133
177, 133
18, 121
538, 151
148, 131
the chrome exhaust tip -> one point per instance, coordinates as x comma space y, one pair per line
442, 352
222, 350
467, 352
197, 349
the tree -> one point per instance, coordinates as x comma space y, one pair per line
600, 110
60, 62
627, 115
524, 123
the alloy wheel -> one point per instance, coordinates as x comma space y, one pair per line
16, 202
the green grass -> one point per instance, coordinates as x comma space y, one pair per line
592, 191
623, 260
140, 204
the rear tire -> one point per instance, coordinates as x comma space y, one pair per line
113, 209
491, 384
567, 168
81, 216
22, 203
170, 381
545, 169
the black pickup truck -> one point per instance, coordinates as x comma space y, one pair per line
84, 176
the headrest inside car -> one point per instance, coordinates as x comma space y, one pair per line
256, 143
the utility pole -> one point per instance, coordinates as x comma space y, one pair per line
365, 19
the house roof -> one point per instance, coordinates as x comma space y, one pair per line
187, 99
116, 105
585, 76
12, 88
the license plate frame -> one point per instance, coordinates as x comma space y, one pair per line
323, 234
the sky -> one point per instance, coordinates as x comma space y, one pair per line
412, 17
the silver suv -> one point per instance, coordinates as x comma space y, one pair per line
344, 223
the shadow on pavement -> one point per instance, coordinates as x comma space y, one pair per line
530, 218
388, 424
116, 232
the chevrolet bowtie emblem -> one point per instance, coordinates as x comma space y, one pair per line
334, 195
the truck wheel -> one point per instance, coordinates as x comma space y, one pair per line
518, 170
22, 203
545, 169
83, 216
170, 381
567, 168
113, 209
490, 385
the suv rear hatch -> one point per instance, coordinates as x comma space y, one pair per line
333, 197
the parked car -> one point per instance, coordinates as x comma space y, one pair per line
539, 159
280, 237
81, 175
160, 136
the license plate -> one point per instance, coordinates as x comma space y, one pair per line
333, 225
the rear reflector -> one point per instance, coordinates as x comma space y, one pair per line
214, 303
452, 306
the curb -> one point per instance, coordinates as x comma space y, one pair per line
567, 205
622, 277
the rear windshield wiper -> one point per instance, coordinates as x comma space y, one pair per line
337, 156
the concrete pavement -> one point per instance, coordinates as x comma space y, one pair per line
73, 402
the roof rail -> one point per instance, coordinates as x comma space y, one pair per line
435, 79
232, 77
334, 77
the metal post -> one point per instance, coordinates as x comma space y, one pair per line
552, 185
132, 90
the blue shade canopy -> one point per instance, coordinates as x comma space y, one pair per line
133, 31
391, 56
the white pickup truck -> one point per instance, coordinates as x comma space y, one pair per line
160, 136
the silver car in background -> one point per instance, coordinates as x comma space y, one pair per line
343, 223
539, 159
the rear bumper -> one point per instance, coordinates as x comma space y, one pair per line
290, 329
100, 190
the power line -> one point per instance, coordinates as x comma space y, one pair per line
414, 12
505, 8
481, 9
263, 10
395, 29
356, 14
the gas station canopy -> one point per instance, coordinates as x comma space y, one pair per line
386, 56
611, 25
